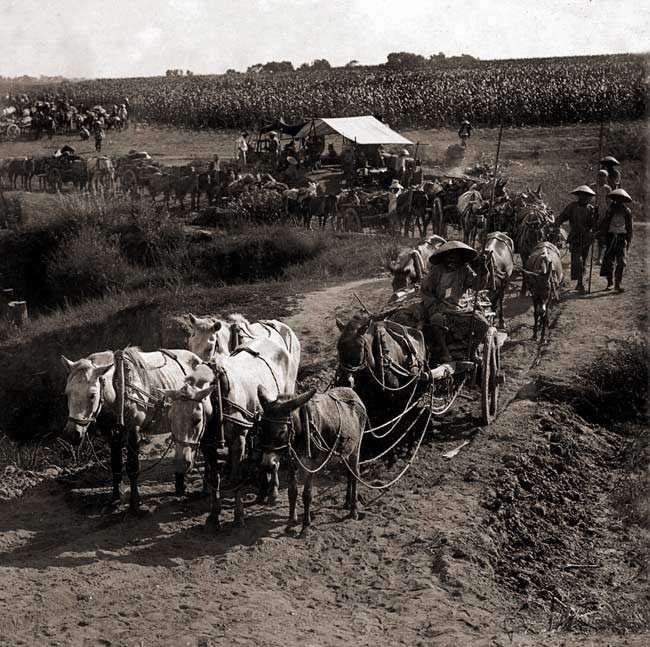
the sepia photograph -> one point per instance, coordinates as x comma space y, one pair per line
324, 323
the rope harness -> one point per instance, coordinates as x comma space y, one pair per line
312, 435
385, 362
85, 422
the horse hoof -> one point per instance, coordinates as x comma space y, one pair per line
305, 532
354, 515
273, 501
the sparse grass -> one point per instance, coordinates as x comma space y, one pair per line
617, 382
632, 493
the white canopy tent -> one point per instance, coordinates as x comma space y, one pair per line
362, 130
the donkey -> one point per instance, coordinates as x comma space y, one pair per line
545, 273
312, 428
93, 388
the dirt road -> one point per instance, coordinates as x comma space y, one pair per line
432, 562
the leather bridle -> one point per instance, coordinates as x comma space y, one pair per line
85, 422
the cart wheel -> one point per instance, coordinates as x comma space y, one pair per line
13, 132
489, 372
54, 180
351, 220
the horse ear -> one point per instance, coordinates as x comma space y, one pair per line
204, 393
339, 324
539, 190
193, 320
102, 369
216, 326
300, 400
68, 363
171, 394
262, 397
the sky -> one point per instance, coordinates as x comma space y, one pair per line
115, 38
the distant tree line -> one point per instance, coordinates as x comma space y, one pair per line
178, 72
394, 61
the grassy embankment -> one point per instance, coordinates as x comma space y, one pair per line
98, 275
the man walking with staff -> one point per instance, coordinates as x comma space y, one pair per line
581, 217
616, 228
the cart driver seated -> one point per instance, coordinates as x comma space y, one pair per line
447, 309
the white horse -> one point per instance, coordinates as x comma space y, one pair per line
93, 389
263, 362
212, 336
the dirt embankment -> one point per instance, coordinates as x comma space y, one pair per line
510, 543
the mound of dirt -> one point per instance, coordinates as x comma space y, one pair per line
15, 481
549, 514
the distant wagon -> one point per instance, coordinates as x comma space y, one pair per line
63, 170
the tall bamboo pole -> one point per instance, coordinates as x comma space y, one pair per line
487, 225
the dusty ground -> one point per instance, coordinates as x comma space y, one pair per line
433, 561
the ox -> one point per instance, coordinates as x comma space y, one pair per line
94, 387
410, 266
545, 274
238, 376
498, 261
312, 428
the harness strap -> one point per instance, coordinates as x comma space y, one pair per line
164, 351
119, 374
306, 425
85, 422
272, 326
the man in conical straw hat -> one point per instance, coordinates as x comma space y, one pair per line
616, 229
612, 165
582, 220
444, 301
